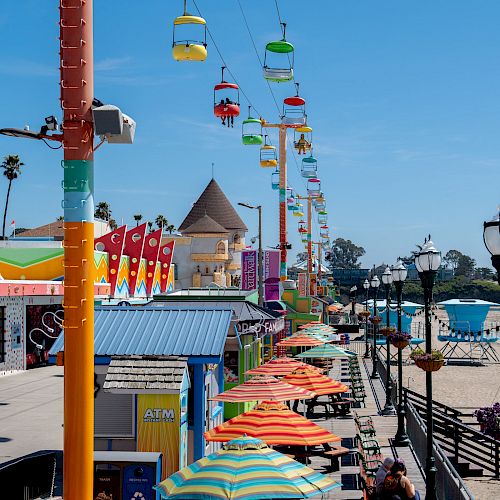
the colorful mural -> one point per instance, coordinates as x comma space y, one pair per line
101, 267
31, 263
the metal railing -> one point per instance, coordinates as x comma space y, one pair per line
449, 484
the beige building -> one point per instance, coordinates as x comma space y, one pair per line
209, 248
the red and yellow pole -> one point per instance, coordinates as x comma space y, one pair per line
282, 203
77, 92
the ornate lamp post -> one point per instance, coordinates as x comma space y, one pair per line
399, 274
366, 286
427, 262
387, 282
491, 236
375, 283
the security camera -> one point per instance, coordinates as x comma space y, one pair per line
51, 122
253, 240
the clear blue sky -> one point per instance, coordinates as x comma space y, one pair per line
403, 98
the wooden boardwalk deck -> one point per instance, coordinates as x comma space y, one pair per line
345, 427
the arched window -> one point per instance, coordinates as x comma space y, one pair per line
237, 239
221, 248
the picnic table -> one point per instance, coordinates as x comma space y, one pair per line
335, 405
304, 453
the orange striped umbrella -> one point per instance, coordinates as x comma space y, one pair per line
278, 367
274, 423
299, 340
261, 388
312, 380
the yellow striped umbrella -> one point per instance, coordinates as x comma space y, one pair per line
274, 423
312, 380
261, 388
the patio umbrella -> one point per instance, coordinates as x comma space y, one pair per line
261, 388
278, 367
299, 340
326, 351
245, 469
274, 423
314, 381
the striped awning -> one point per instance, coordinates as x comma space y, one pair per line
245, 469
262, 388
299, 340
274, 423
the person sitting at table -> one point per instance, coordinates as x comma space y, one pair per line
397, 486
384, 469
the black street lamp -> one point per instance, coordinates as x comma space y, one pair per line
491, 236
427, 262
387, 282
374, 283
366, 286
399, 274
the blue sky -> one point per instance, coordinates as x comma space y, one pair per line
402, 96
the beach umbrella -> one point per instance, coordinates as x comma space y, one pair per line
299, 340
314, 381
262, 388
274, 423
278, 367
326, 351
245, 469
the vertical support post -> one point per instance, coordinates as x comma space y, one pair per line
199, 411
374, 374
282, 203
260, 264
77, 92
388, 407
401, 438
309, 244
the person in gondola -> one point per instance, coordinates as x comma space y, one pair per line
223, 117
230, 118
302, 144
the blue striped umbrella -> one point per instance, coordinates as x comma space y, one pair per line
245, 469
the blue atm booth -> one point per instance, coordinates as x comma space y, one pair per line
126, 475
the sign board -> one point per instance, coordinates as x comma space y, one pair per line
302, 284
158, 428
271, 266
314, 284
249, 270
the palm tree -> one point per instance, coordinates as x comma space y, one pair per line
137, 218
170, 228
112, 224
150, 226
161, 221
12, 170
102, 211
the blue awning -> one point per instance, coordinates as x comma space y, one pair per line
153, 331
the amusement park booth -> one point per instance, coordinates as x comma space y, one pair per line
147, 360
249, 335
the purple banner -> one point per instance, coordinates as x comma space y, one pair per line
249, 270
271, 264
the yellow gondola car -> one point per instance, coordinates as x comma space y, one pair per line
186, 49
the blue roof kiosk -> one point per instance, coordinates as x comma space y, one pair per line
467, 334
185, 349
409, 309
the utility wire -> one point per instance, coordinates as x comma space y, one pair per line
224, 62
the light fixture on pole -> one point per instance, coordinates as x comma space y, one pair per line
491, 236
366, 286
399, 274
427, 262
260, 259
375, 283
387, 282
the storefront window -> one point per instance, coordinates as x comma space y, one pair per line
231, 367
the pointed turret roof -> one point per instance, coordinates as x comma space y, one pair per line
205, 225
214, 203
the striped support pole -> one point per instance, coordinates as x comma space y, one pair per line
282, 203
309, 244
77, 92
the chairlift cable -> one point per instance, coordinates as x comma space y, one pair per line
224, 62
258, 57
